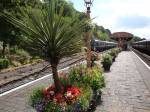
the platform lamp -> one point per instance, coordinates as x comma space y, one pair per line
88, 4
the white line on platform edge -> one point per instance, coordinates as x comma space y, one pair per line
141, 60
24, 85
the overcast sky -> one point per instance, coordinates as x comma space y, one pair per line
121, 15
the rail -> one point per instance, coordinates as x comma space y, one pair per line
143, 56
27, 77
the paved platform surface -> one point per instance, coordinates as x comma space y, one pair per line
18, 101
127, 86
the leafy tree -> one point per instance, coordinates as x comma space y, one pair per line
5, 27
8, 33
101, 33
5, 33
108, 32
50, 35
69, 10
135, 39
68, 7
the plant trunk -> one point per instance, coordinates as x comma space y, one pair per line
3, 51
56, 78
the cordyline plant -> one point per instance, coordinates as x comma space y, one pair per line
49, 34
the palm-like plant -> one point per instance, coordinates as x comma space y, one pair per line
49, 34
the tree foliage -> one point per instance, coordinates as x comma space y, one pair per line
49, 34
135, 39
101, 33
69, 10
8, 33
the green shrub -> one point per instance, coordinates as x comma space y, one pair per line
24, 56
107, 62
1, 64
93, 78
22, 53
52, 107
86, 96
76, 73
118, 50
96, 78
36, 97
13, 50
36, 57
94, 57
113, 53
4, 63
15, 63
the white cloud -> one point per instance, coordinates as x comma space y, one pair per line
108, 14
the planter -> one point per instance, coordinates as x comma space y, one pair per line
107, 62
95, 101
113, 59
106, 67
79, 93
76, 107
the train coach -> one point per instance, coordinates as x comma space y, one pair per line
99, 46
142, 46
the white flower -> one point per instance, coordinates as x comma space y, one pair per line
68, 93
52, 92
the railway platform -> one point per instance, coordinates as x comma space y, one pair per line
127, 88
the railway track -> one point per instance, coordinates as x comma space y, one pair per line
143, 56
23, 78
23, 75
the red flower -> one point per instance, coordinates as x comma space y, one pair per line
51, 88
58, 97
69, 97
69, 86
46, 94
74, 91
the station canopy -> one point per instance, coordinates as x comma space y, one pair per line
122, 36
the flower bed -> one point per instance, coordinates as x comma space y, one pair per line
80, 92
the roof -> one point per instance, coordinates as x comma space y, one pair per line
122, 35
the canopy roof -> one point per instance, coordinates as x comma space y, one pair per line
122, 35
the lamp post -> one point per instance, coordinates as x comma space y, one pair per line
88, 4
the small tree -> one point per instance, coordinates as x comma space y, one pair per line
50, 34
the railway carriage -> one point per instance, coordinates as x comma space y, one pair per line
142, 46
99, 46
